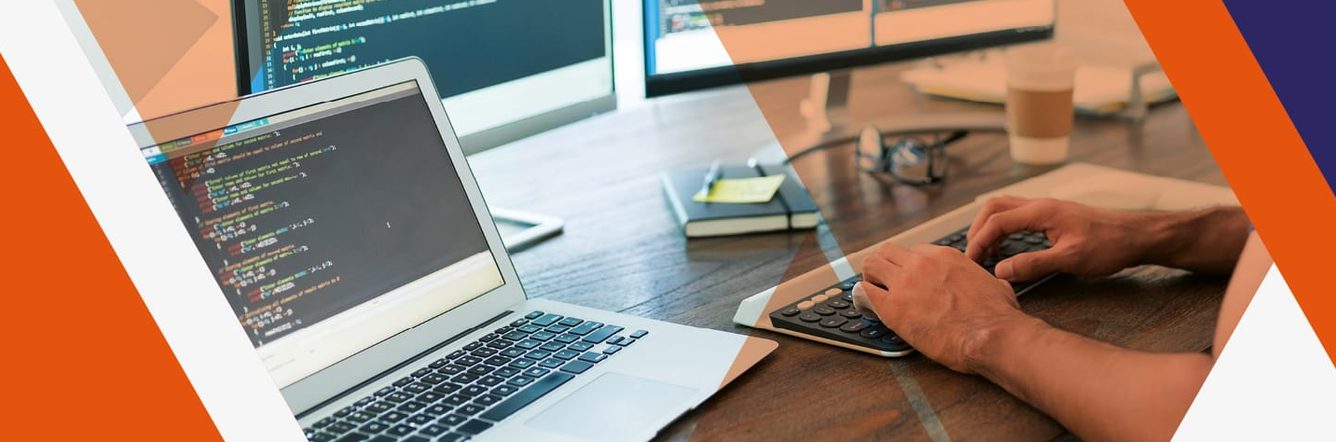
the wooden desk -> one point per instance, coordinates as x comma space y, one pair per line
622, 251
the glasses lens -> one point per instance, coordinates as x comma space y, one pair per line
914, 161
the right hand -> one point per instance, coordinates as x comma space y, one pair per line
1087, 241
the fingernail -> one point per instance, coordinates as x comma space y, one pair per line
1004, 270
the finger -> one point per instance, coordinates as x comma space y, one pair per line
993, 205
1001, 224
864, 295
1033, 265
877, 271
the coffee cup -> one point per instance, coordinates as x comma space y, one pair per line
1040, 113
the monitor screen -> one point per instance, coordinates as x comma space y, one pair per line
289, 212
496, 63
691, 44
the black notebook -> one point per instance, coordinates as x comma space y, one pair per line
791, 208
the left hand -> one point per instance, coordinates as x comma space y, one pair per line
936, 299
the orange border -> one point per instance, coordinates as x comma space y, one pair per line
1254, 142
91, 361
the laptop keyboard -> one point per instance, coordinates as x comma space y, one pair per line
830, 313
472, 389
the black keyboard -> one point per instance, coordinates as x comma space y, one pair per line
467, 392
830, 313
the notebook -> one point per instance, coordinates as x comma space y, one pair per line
792, 207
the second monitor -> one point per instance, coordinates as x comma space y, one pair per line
507, 69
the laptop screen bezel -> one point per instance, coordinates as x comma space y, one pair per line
339, 377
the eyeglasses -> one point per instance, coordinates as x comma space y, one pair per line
911, 160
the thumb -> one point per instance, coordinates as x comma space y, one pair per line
1029, 266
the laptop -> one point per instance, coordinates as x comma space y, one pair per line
350, 239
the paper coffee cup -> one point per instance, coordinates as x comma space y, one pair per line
1040, 113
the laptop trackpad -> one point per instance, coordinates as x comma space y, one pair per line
615, 407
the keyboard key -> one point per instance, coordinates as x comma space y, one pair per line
570, 322
566, 338
528, 344
430, 397
483, 352
586, 328
546, 320
451, 369
473, 391
519, 322
809, 317
853, 327
403, 381
392, 417
505, 372
464, 378
490, 381
602, 333
525, 397
323, 422
529, 328
497, 361
433, 379
359, 417
473, 427
504, 390
824, 311
411, 407
437, 410
456, 400
513, 352
515, 336
577, 367
470, 409
580, 346
552, 346
550, 363
467, 361
833, 321
374, 427
451, 420
873, 332
416, 388
639, 334
612, 349
538, 354
791, 311
384, 391
614, 339
520, 381
339, 427
446, 388
557, 328
593, 357
851, 314
523, 363
419, 420
452, 437
345, 411
321, 437
487, 400
472, 346
397, 397
433, 430
838, 304
806, 305
536, 372
488, 337
566, 354
626, 342
533, 314
503, 330
378, 407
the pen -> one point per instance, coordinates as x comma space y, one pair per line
711, 177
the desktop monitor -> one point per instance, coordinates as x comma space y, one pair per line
506, 69
695, 44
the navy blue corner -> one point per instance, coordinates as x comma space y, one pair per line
1291, 41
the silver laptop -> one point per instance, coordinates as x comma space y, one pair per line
350, 238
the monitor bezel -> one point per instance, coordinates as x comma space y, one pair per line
657, 85
245, 23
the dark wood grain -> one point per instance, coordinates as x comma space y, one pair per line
622, 251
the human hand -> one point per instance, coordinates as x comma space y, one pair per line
937, 300
1087, 241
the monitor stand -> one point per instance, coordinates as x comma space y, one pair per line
521, 230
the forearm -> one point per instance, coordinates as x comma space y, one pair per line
1206, 240
1096, 390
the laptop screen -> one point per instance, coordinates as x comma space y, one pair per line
331, 227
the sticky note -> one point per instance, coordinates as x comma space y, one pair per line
742, 190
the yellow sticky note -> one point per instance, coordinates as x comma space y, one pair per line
742, 190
